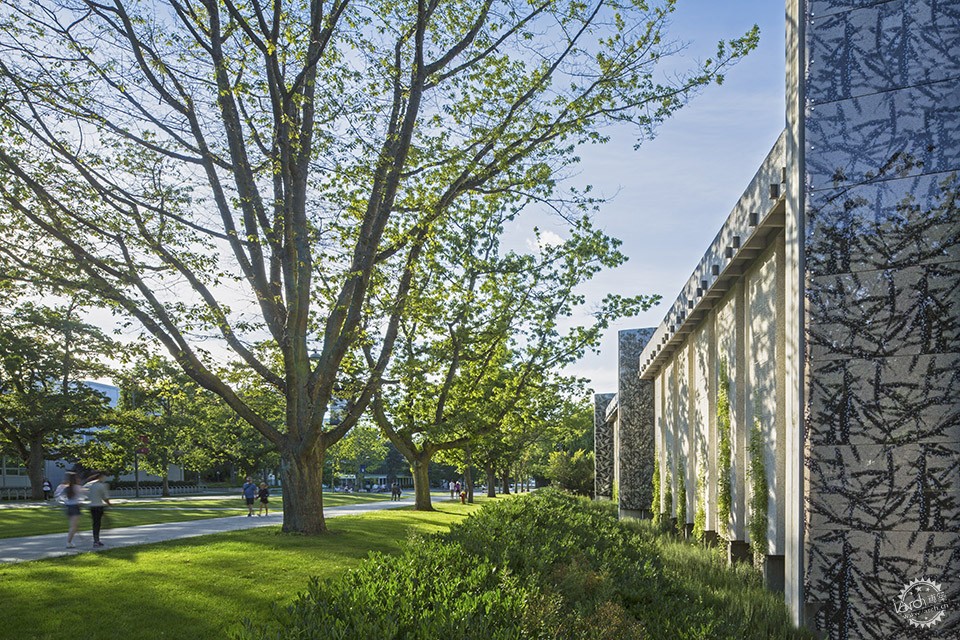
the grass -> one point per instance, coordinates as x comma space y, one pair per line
198, 587
701, 582
34, 521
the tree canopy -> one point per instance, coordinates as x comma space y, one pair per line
232, 173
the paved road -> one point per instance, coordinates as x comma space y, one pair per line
54, 544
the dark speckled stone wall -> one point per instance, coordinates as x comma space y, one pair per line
635, 422
882, 251
602, 446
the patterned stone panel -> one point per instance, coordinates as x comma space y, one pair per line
602, 446
854, 577
913, 310
890, 225
819, 8
910, 399
636, 424
882, 136
882, 254
884, 46
886, 487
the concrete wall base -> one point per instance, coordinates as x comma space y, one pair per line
634, 514
688, 531
738, 552
773, 573
710, 538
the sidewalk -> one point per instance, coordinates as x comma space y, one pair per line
53, 545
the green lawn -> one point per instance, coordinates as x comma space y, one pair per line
198, 587
31, 521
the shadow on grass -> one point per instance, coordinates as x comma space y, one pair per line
199, 587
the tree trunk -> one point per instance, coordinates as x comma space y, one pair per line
302, 477
420, 468
34, 463
491, 482
506, 481
468, 479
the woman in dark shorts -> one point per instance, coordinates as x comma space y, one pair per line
70, 494
264, 495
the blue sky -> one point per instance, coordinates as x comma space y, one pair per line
674, 192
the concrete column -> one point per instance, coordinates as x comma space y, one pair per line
793, 314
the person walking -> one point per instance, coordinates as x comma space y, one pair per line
395, 491
453, 489
69, 493
47, 489
249, 493
264, 495
98, 493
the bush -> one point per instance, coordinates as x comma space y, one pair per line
541, 566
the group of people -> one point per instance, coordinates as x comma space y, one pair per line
71, 493
251, 492
457, 491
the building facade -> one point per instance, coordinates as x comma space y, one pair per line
806, 380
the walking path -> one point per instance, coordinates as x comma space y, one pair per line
53, 545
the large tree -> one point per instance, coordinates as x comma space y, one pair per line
45, 354
251, 171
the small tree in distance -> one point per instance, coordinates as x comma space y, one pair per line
46, 353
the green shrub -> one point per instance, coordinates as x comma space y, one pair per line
541, 566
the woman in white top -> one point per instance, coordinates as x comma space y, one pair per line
70, 493
99, 496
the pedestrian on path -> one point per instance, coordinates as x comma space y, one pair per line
98, 493
69, 493
395, 491
453, 489
249, 493
47, 489
264, 496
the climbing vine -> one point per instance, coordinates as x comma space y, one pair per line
758, 491
668, 492
700, 514
724, 498
681, 496
655, 506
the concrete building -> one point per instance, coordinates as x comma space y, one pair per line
806, 380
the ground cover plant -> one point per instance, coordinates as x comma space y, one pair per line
197, 588
546, 565
34, 521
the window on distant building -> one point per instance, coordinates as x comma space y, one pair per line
12, 467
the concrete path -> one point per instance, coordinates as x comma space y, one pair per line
54, 545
